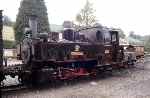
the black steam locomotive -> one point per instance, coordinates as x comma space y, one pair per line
82, 52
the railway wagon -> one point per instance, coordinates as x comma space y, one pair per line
138, 50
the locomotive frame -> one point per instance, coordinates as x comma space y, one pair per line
85, 52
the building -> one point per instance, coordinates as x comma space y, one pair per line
8, 33
10, 53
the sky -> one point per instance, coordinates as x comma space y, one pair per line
129, 15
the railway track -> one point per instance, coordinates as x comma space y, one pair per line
13, 88
22, 87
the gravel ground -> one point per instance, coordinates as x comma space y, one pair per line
131, 83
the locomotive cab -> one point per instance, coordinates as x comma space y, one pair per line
106, 44
113, 52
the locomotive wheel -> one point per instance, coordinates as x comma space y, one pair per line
2, 76
25, 78
39, 78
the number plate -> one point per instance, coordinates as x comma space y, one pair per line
106, 51
77, 53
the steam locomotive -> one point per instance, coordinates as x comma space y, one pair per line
79, 53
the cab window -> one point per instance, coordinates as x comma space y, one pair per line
114, 39
107, 37
99, 36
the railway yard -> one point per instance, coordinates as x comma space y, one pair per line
82, 59
129, 83
85, 63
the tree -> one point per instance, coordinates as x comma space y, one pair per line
132, 34
8, 44
147, 45
136, 36
121, 34
86, 16
27, 8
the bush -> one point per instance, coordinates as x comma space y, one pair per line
8, 44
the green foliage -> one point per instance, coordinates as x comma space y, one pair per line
135, 36
144, 39
27, 8
147, 45
86, 16
121, 34
137, 39
8, 44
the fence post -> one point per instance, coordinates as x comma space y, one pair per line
1, 49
